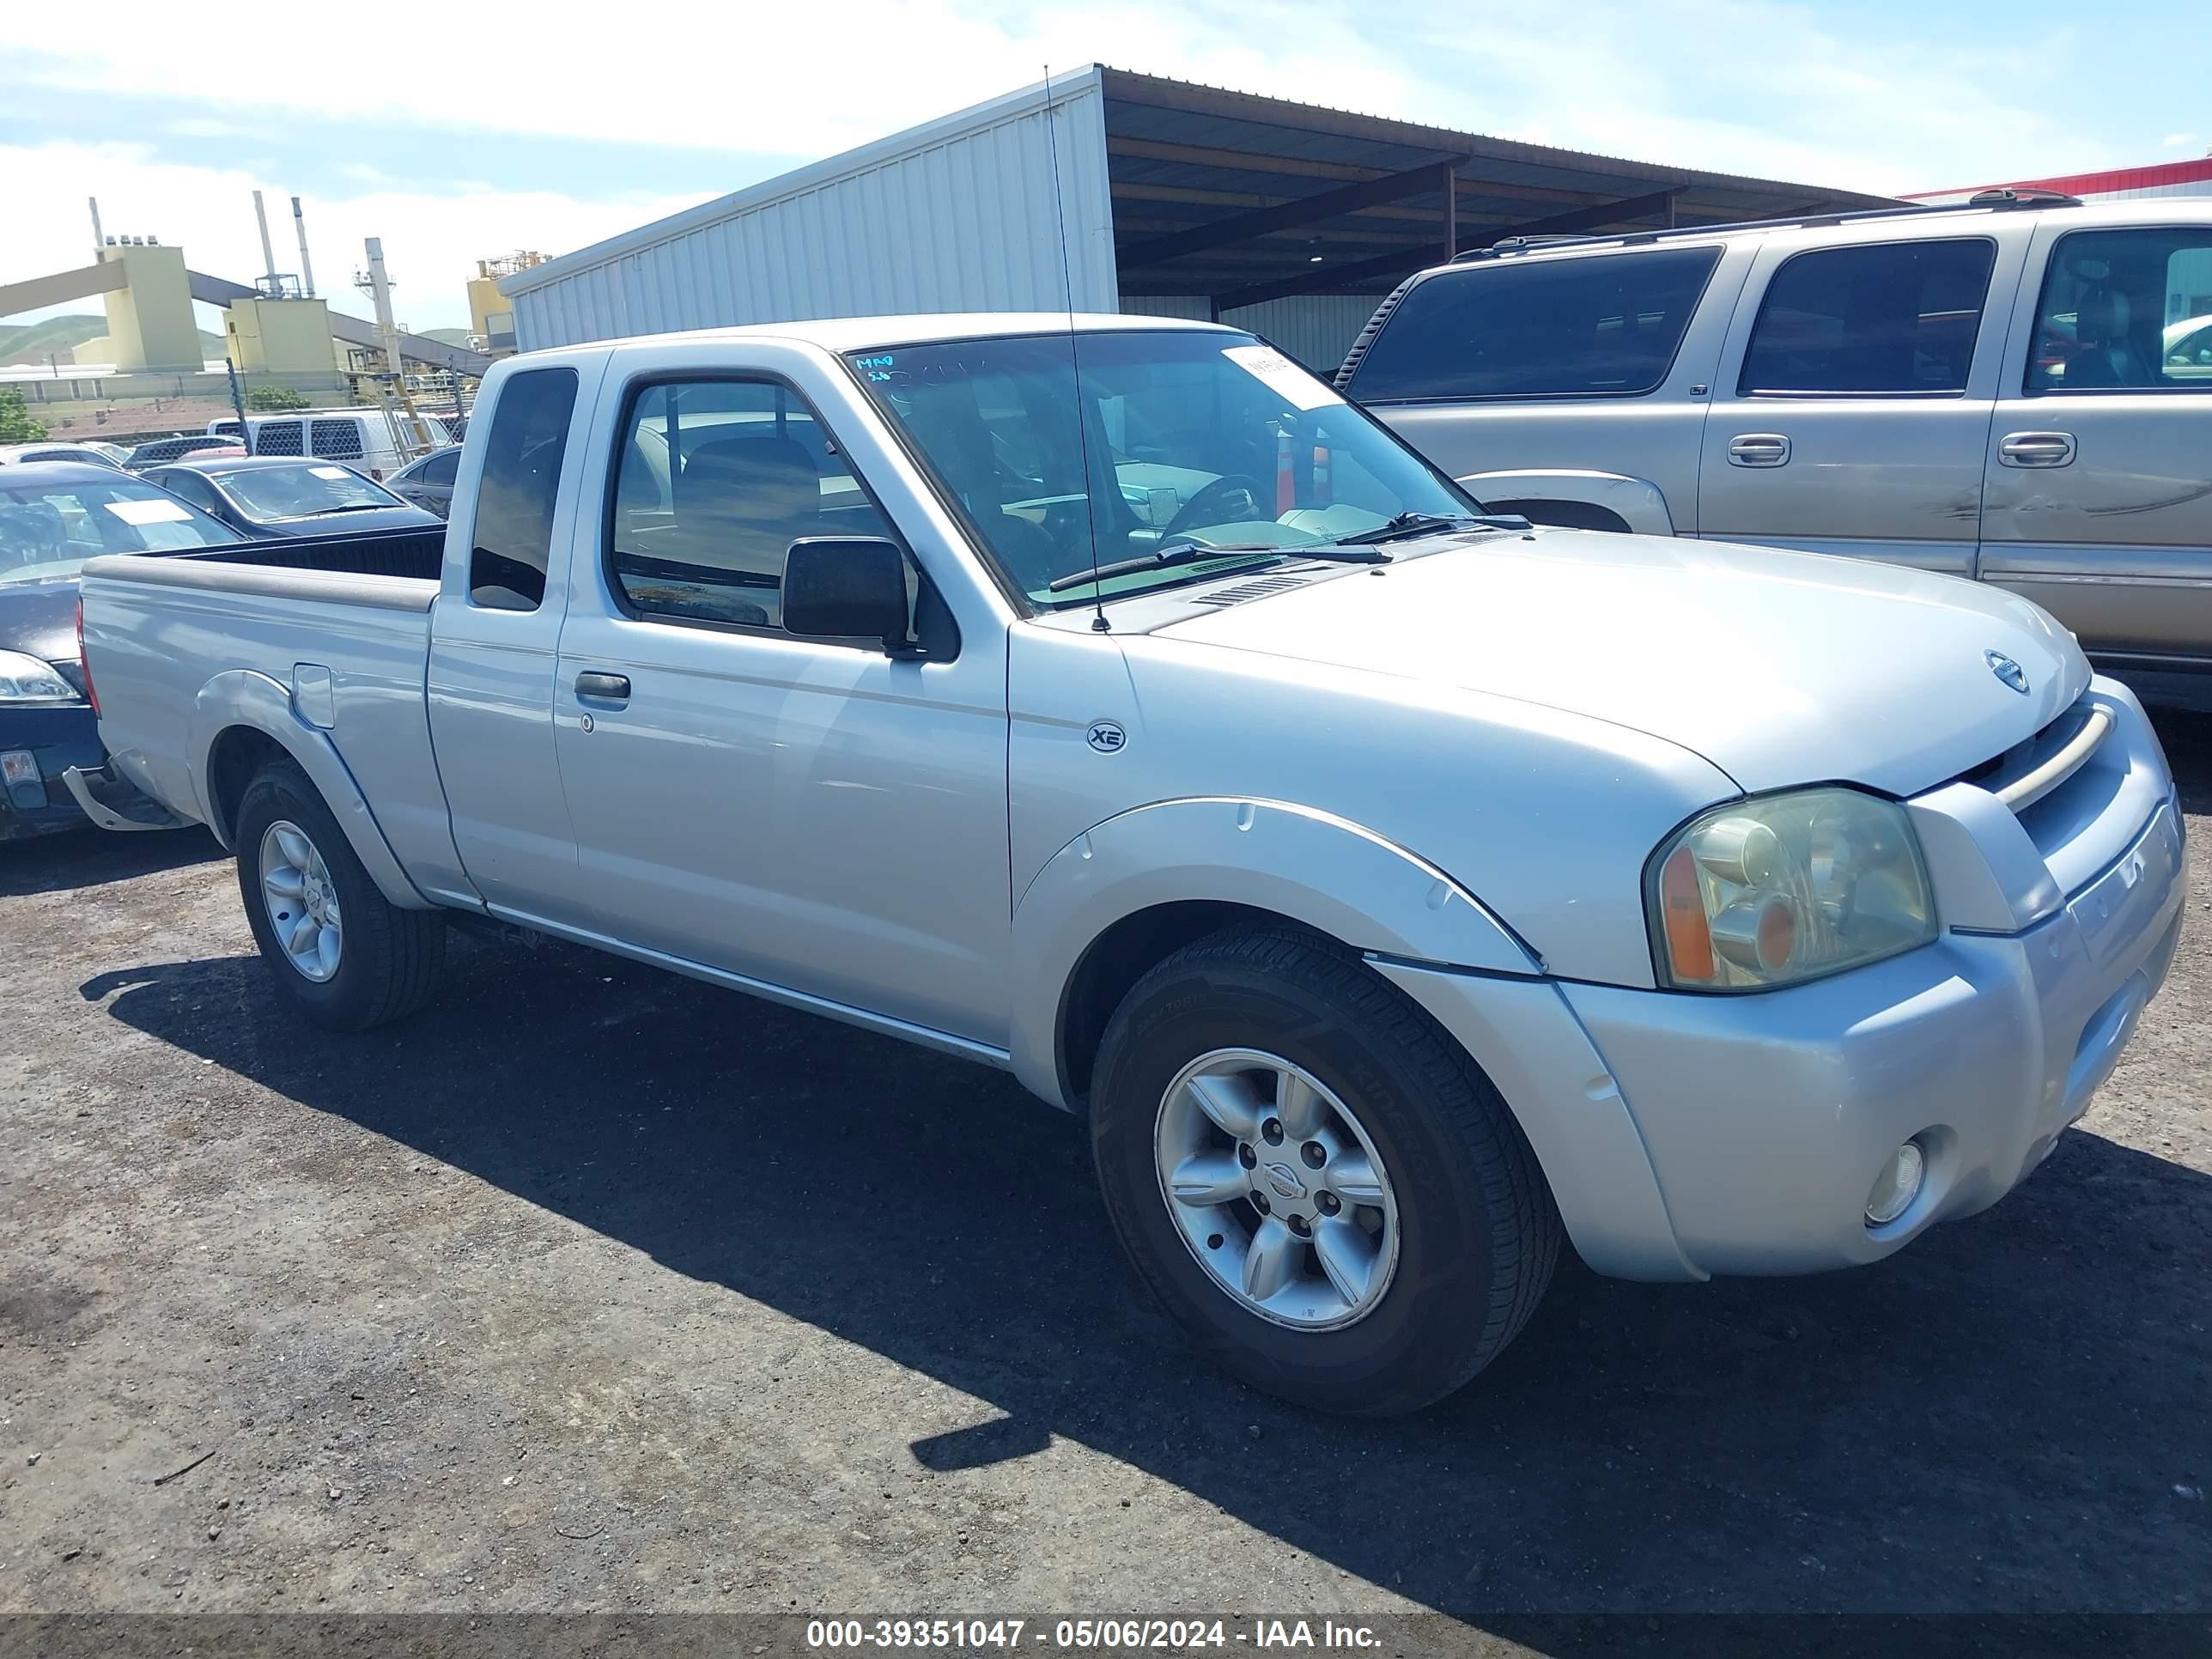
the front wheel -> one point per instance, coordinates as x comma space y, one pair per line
1313, 1179
346, 956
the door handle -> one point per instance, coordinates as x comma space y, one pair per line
604, 687
2035, 448
1758, 449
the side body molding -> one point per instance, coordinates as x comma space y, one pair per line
1310, 865
241, 697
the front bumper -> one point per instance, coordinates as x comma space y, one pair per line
1767, 1118
1763, 1120
57, 738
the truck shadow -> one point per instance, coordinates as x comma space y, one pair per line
2009, 1416
92, 858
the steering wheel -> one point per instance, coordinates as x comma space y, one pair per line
1212, 503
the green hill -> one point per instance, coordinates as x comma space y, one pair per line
452, 337
31, 343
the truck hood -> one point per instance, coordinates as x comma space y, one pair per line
1780, 668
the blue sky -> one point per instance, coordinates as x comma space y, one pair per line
548, 134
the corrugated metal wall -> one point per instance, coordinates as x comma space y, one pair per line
961, 215
1317, 329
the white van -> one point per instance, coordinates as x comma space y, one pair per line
371, 440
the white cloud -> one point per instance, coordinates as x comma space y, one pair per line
431, 242
1669, 82
2179, 141
1768, 88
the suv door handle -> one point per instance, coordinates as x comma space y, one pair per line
2035, 448
605, 687
1758, 449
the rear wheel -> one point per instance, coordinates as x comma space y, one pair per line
345, 955
1314, 1180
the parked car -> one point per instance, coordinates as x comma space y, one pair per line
86, 453
372, 441
2188, 345
158, 452
1392, 886
1982, 390
53, 516
428, 483
266, 497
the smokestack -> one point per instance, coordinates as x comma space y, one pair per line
97, 244
268, 253
306, 267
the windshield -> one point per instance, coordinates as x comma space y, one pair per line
1177, 438
48, 531
302, 491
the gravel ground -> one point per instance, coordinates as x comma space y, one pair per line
593, 1288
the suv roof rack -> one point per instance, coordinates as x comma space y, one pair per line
2006, 198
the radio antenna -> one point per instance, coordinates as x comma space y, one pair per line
1098, 623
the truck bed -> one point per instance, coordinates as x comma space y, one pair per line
337, 629
415, 553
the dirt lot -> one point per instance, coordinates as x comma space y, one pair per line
595, 1288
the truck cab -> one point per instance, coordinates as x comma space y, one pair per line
1399, 890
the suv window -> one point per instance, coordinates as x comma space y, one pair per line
337, 439
2125, 311
717, 479
1606, 324
513, 537
1896, 319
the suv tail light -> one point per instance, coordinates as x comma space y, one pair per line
84, 663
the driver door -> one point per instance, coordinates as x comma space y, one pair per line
810, 815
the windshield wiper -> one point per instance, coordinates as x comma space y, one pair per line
1427, 524
1176, 553
350, 507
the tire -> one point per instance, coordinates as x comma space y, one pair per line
1471, 1235
385, 961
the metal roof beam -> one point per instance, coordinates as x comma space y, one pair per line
1589, 218
1288, 216
1316, 277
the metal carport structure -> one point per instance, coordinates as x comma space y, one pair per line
1109, 190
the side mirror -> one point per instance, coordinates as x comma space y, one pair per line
847, 587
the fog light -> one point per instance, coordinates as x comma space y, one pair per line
1897, 1186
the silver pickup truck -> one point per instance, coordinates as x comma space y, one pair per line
1396, 887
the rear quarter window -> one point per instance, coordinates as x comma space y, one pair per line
1605, 325
512, 539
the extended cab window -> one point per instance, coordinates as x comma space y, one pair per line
1606, 324
1895, 319
2125, 311
513, 538
715, 480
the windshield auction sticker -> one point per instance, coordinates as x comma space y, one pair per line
1280, 374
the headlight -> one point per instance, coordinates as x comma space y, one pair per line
26, 679
1783, 888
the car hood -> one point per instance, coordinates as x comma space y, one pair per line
1780, 668
39, 618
